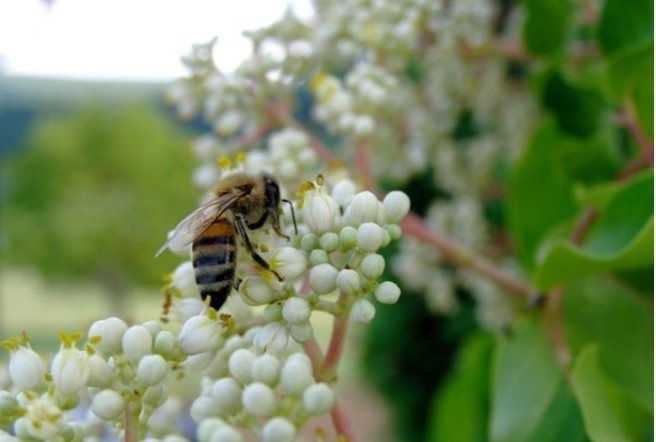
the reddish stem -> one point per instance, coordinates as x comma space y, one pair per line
329, 369
646, 146
341, 423
313, 351
363, 165
555, 328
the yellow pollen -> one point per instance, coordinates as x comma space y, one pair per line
224, 162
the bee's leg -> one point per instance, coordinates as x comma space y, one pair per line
241, 229
236, 283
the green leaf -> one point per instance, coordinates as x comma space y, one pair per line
624, 23
609, 415
628, 68
460, 408
546, 26
608, 313
541, 184
621, 238
530, 398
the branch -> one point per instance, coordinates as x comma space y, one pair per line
328, 371
341, 423
629, 120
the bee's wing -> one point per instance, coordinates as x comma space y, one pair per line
200, 219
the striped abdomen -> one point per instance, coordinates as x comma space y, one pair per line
214, 256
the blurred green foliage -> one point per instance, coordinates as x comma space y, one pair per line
92, 195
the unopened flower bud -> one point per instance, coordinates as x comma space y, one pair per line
259, 400
255, 291
289, 262
370, 237
301, 332
278, 429
107, 405
26, 368
272, 338
203, 407
240, 365
323, 278
137, 342
394, 231
348, 237
364, 208
329, 241
363, 311
200, 334
396, 206
372, 265
164, 343
319, 211
8, 404
348, 281
226, 392
309, 242
226, 433
152, 369
187, 308
208, 427
343, 192
296, 310
318, 399
110, 331
295, 376
70, 370
100, 373
266, 369
388, 292
318, 256
153, 327
155, 395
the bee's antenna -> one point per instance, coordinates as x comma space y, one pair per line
291, 206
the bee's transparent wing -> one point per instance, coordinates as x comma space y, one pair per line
200, 219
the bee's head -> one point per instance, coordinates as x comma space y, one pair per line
271, 191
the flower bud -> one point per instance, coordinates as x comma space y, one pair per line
323, 278
259, 400
319, 211
388, 292
278, 429
226, 392
110, 331
8, 405
266, 369
164, 343
100, 373
372, 265
348, 237
107, 405
301, 332
208, 427
240, 365
296, 310
137, 342
396, 206
272, 338
26, 368
309, 242
70, 370
289, 263
394, 231
255, 291
318, 256
203, 407
370, 237
296, 376
227, 433
348, 281
364, 208
187, 308
329, 241
155, 395
200, 334
318, 399
153, 327
152, 369
363, 311
343, 192
199, 361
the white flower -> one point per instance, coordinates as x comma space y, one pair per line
70, 370
343, 192
259, 400
26, 368
396, 206
200, 334
227, 394
318, 399
388, 292
289, 262
323, 278
266, 369
137, 342
370, 237
364, 208
110, 331
152, 369
348, 281
372, 265
272, 338
319, 211
278, 429
240, 364
256, 291
363, 311
43, 418
107, 405
296, 310
186, 308
183, 280
296, 376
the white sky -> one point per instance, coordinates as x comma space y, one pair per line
126, 39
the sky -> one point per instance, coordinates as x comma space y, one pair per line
126, 39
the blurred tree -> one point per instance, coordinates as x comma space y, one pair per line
81, 200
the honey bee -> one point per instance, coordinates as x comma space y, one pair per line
240, 202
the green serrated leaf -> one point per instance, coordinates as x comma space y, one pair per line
609, 415
622, 238
530, 400
610, 314
624, 23
461, 407
546, 26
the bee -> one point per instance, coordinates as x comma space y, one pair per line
239, 203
